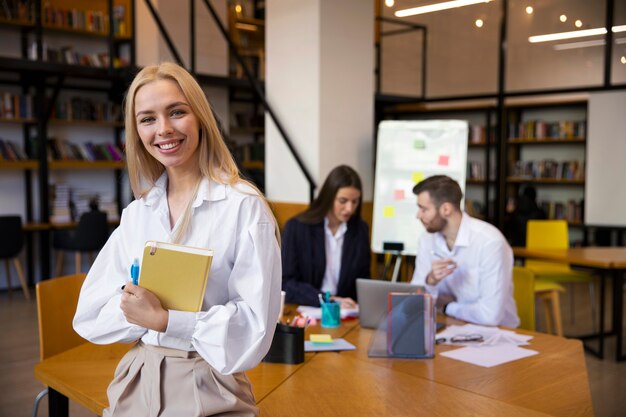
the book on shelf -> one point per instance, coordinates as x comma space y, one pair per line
10, 151
68, 203
62, 150
16, 106
20, 10
549, 169
572, 210
539, 129
475, 170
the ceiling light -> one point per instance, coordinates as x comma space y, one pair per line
529, 10
566, 35
623, 60
389, 3
621, 28
238, 8
437, 7
563, 18
479, 23
578, 23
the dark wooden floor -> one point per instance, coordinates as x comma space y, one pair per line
19, 351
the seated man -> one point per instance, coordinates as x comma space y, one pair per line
465, 262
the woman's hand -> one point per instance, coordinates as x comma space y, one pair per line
143, 308
346, 302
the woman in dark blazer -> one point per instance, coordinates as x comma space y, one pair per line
327, 246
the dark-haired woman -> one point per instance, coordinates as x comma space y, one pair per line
326, 248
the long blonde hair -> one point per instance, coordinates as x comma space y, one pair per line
214, 159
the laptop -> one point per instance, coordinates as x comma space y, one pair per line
373, 299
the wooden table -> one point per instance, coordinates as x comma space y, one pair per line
610, 262
349, 383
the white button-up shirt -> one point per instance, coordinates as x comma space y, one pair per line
236, 325
482, 283
334, 248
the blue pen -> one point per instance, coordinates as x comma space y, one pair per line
134, 271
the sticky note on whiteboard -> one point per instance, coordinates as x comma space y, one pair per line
398, 195
417, 177
419, 144
443, 160
389, 212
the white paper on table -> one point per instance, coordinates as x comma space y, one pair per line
489, 356
316, 312
492, 336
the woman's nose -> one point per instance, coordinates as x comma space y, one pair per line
165, 127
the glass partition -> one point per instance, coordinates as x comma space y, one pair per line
618, 64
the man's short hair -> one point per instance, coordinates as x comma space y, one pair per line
441, 189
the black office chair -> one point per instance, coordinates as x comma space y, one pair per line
90, 236
11, 244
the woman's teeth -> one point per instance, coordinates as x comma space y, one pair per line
168, 145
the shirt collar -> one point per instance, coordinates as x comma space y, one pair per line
208, 190
341, 230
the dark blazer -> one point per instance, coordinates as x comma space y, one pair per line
304, 260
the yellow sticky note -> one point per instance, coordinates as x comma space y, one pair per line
321, 338
417, 177
389, 211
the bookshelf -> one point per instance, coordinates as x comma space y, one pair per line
63, 74
545, 149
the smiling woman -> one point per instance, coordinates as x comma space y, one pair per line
188, 191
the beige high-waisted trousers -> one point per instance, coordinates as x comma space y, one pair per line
154, 381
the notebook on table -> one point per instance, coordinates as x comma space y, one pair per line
176, 274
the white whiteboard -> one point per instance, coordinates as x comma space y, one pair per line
605, 196
407, 152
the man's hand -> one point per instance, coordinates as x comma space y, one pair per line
143, 308
346, 302
441, 268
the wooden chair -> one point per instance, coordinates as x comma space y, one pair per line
553, 234
11, 245
57, 299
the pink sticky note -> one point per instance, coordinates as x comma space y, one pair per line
398, 194
443, 160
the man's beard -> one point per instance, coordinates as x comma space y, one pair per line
436, 225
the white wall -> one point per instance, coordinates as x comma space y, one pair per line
319, 81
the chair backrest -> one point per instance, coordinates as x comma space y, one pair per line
57, 299
12, 236
92, 231
524, 295
547, 234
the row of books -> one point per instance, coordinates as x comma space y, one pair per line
249, 152
68, 203
476, 171
539, 129
16, 106
88, 20
572, 211
478, 134
549, 169
80, 108
62, 150
10, 151
22, 10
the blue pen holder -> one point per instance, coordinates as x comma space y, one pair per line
331, 316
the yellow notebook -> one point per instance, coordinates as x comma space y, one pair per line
176, 274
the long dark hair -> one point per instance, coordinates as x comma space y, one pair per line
340, 177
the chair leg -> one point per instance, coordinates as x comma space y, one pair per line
556, 312
20, 276
592, 301
59, 263
42, 394
77, 261
7, 267
547, 313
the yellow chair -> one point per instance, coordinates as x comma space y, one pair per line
525, 288
57, 299
553, 234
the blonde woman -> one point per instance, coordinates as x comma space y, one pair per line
188, 191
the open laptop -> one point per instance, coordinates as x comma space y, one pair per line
373, 298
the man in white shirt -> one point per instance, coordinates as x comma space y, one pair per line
465, 262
